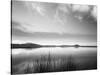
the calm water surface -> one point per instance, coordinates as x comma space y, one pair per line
55, 51
85, 58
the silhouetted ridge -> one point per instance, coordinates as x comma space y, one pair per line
25, 45
32, 45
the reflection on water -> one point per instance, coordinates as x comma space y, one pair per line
53, 59
54, 50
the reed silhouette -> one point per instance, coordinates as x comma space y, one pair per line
45, 64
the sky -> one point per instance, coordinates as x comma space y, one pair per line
53, 23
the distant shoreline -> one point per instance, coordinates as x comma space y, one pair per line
31, 45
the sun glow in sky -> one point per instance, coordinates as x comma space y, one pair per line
53, 23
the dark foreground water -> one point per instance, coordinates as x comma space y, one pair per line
27, 61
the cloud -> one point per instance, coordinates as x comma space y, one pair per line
77, 11
58, 18
83, 10
80, 8
61, 11
63, 19
45, 26
63, 8
94, 12
79, 17
35, 7
39, 8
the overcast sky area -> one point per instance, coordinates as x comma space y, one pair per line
53, 23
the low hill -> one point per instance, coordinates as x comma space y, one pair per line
25, 45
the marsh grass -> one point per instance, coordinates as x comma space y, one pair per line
51, 63
45, 64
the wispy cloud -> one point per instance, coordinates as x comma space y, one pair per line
35, 7
81, 10
60, 14
39, 8
53, 17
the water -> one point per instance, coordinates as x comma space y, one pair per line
55, 51
84, 58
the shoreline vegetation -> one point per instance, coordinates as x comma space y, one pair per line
32, 45
49, 63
